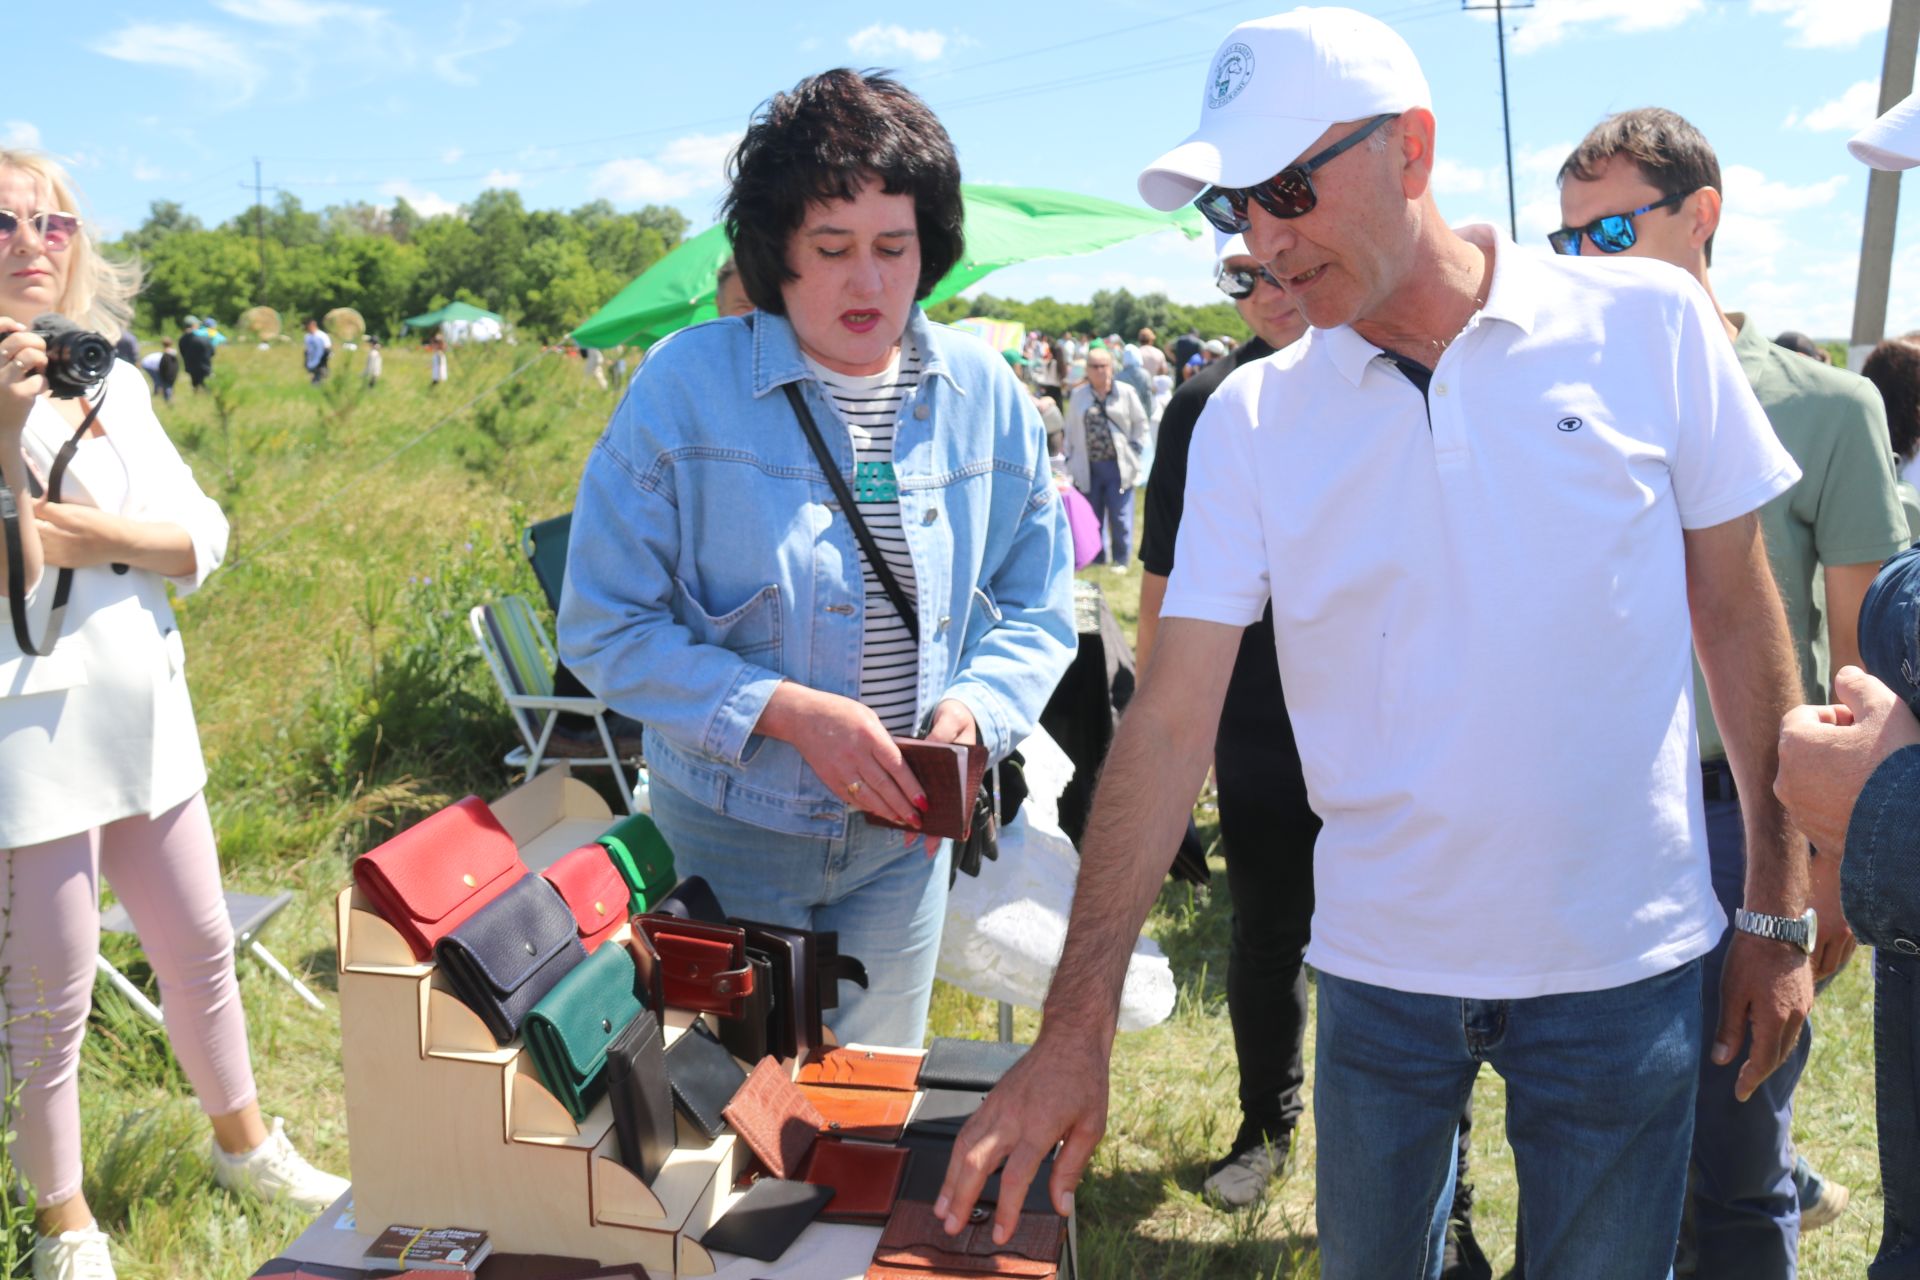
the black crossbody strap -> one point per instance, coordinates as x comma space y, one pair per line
16, 551
844, 495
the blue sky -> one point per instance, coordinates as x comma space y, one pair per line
567, 100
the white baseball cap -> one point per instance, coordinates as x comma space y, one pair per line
1228, 246
1274, 86
1892, 141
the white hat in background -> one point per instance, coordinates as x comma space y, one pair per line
1892, 141
1228, 246
1274, 86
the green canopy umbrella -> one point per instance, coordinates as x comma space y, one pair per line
1005, 225
452, 311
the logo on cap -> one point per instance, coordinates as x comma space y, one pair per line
1232, 69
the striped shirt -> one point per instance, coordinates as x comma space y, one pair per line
871, 406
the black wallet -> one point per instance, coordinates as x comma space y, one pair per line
703, 1078
511, 952
750, 1036
642, 1099
944, 1111
968, 1064
927, 1171
692, 899
766, 1221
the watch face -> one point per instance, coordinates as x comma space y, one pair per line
1812, 920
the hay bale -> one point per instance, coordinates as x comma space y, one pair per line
261, 322
345, 324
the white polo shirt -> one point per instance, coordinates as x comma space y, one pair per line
1480, 610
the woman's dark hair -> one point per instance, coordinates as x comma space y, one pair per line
824, 140
1894, 367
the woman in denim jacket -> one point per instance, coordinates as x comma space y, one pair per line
716, 592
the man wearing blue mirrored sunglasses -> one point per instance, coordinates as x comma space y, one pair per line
1844, 516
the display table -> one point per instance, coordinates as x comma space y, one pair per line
447, 1127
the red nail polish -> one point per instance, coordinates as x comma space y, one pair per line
920, 803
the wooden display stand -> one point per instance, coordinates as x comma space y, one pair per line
447, 1128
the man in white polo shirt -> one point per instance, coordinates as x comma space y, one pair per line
1490, 495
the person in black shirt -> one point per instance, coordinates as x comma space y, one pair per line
1267, 828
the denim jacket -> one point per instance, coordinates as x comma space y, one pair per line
708, 559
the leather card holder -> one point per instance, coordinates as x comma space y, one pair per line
691, 899
766, 1221
878, 1115
703, 1078
866, 1179
510, 953
594, 892
642, 1099
932, 1152
703, 966
944, 1111
428, 880
950, 774
915, 1243
968, 1064
863, 1069
774, 1119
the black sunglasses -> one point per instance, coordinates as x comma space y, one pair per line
1239, 282
1287, 194
1611, 234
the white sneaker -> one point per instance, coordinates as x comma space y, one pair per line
275, 1171
73, 1255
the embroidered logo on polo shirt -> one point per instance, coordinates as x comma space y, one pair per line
1569, 424
1231, 71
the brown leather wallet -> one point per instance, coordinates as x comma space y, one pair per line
863, 1069
866, 1179
915, 1246
774, 1119
703, 966
879, 1115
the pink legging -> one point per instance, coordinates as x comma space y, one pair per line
166, 872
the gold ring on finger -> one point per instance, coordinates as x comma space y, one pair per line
853, 789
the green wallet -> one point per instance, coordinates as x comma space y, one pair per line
640, 852
569, 1030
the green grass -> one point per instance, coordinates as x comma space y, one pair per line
338, 692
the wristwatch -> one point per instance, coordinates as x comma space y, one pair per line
1800, 932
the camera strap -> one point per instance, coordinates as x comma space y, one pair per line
16, 550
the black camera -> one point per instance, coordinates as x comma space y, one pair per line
77, 361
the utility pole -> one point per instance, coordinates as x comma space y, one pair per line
1500, 8
260, 226
1883, 191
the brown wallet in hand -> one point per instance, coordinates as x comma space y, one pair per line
863, 1069
950, 773
915, 1246
878, 1115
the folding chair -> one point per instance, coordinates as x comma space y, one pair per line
249, 914
545, 545
521, 659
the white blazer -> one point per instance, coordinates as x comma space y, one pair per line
102, 728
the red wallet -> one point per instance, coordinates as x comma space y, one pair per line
864, 1069
428, 879
702, 966
774, 1119
865, 1179
594, 892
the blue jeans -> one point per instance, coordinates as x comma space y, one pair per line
1746, 1208
1112, 505
1896, 1032
1599, 1115
887, 902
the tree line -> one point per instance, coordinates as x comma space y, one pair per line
544, 270
1109, 311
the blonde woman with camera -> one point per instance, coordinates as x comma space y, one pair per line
100, 766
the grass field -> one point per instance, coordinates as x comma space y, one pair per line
339, 693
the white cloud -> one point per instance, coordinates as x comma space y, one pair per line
449, 65
18, 133
684, 167
497, 178
1852, 111
296, 14
1749, 190
199, 51
451, 155
1828, 24
1451, 178
427, 203
1551, 21
891, 40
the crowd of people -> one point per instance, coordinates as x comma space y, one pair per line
1531, 680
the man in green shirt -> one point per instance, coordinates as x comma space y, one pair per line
1646, 183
